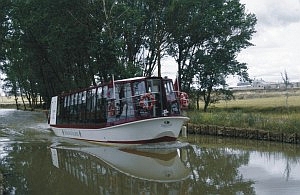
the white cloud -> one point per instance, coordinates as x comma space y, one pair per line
274, 12
276, 41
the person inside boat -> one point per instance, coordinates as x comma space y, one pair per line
122, 103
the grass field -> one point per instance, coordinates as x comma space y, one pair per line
266, 113
7, 100
261, 103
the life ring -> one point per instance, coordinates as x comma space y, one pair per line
147, 101
184, 100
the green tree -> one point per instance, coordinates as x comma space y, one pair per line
4, 26
55, 39
227, 30
156, 38
59, 45
187, 28
132, 30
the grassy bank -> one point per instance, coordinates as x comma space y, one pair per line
265, 113
10, 103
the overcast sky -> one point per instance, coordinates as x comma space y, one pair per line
276, 41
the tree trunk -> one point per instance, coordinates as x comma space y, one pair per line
16, 100
207, 98
158, 62
205, 106
23, 103
198, 99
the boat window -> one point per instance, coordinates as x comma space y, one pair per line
126, 106
139, 88
99, 96
171, 86
69, 101
99, 91
72, 109
89, 100
65, 101
76, 101
127, 90
105, 91
94, 97
83, 97
62, 113
169, 90
149, 85
153, 85
118, 89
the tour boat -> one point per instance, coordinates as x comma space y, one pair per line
129, 111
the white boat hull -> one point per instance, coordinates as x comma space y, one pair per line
142, 131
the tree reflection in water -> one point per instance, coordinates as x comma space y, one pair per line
215, 171
271, 165
34, 168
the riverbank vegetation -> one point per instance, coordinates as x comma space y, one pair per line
254, 111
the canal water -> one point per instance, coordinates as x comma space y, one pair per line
34, 161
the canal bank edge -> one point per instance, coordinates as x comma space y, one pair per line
234, 132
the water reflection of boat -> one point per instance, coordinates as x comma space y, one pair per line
86, 163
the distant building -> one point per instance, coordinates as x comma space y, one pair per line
296, 84
241, 84
261, 84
